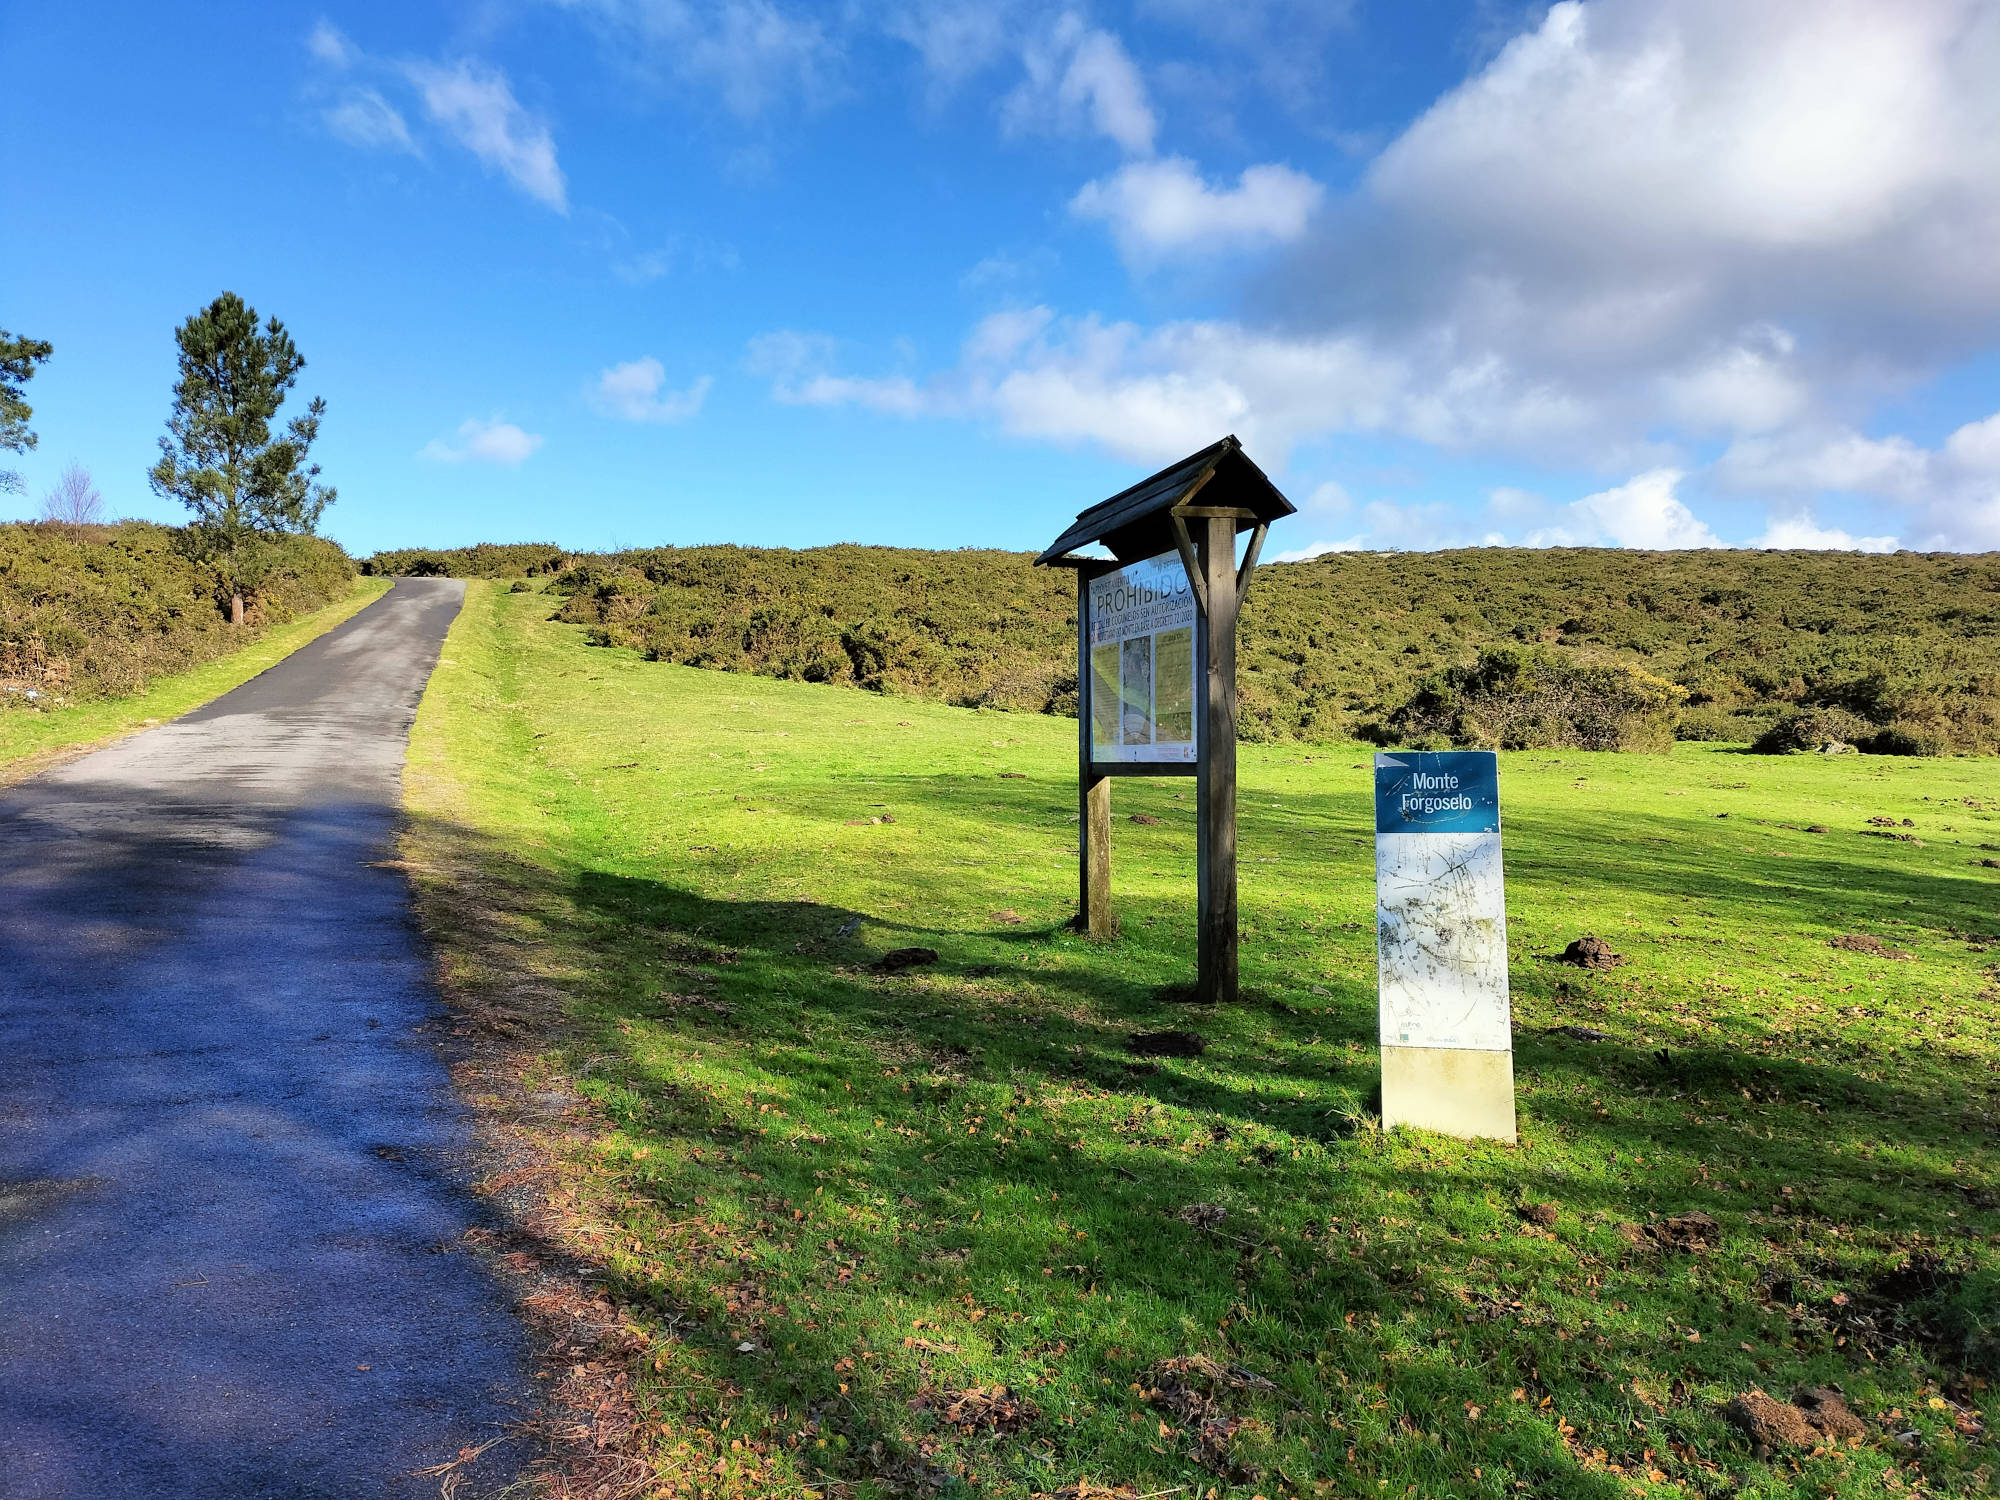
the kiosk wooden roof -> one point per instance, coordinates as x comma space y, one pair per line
1151, 516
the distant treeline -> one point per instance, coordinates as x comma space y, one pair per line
96, 611
1591, 647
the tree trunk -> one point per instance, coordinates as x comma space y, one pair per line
236, 609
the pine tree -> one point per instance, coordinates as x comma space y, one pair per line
18, 358
247, 489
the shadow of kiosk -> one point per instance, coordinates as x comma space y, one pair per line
1156, 670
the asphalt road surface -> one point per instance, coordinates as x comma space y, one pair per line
231, 1204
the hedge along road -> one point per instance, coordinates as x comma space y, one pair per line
231, 1161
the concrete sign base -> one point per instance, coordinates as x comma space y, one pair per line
1450, 1090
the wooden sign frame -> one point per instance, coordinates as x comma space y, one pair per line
1219, 582
1194, 508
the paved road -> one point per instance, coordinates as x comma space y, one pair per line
230, 1259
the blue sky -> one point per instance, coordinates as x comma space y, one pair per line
621, 272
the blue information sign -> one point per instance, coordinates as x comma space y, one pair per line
1437, 791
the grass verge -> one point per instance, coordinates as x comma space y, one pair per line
33, 742
831, 1229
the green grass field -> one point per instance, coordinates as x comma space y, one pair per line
31, 742
942, 1230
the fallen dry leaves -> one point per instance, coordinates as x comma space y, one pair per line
979, 1408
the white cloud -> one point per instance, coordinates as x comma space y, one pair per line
1974, 449
675, 255
782, 355
1748, 386
329, 45
644, 267
1810, 460
489, 442
632, 391
757, 56
955, 39
1161, 207
1691, 212
1702, 135
797, 365
1079, 78
475, 105
469, 101
1802, 532
1950, 493
1645, 512
364, 118
1329, 498
1151, 395
1260, 50
1397, 526
1320, 549
1004, 269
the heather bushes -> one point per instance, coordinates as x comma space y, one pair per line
1513, 698
1820, 729
97, 611
487, 560
1908, 643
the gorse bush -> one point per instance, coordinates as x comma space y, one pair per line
97, 611
487, 560
1909, 642
1807, 729
1710, 723
1515, 698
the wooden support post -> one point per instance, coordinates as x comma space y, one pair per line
1215, 786
1093, 802
1094, 825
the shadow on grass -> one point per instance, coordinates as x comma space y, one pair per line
897, 1188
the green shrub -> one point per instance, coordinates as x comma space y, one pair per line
1810, 729
98, 611
1909, 739
1517, 698
487, 560
1707, 725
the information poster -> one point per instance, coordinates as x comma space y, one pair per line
1142, 682
1441, 909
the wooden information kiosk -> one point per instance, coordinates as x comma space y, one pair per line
1156, 670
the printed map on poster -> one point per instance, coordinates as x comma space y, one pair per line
1142, 678
1441, 906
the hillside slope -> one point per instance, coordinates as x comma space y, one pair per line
1333, 647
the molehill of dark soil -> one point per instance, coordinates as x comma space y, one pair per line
1590, 953
1817, 1415
1688, 1233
